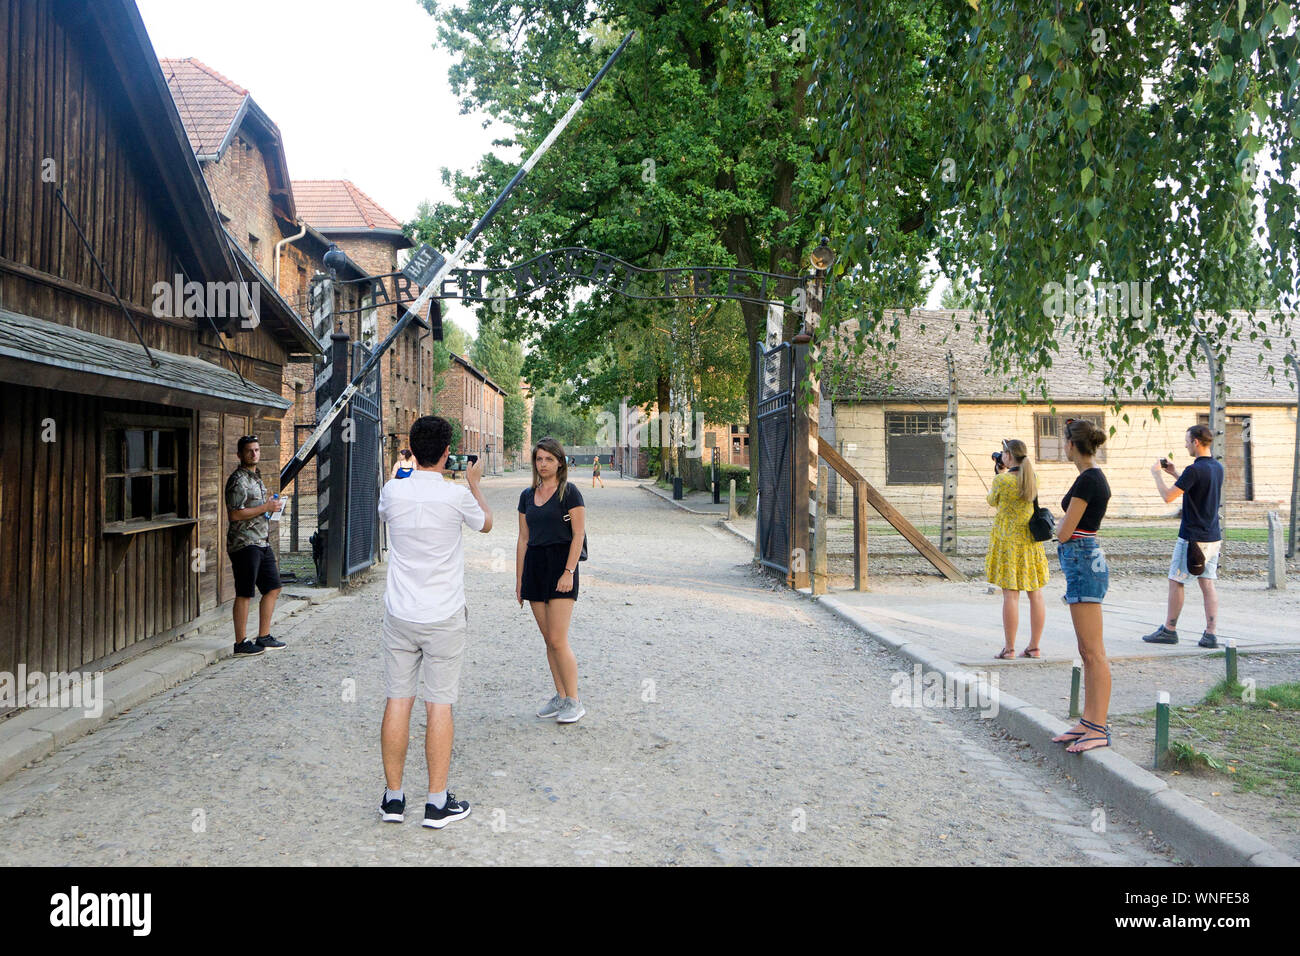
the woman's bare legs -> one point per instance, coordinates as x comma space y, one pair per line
553, 620
1096, 672
1010, 618
1037, 617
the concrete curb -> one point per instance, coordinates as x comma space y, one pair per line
677, 504
33, 734
1195, 831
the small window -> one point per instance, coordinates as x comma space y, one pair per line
914, 448
143, 478
1049, 431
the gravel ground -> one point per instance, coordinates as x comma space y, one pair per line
728, 721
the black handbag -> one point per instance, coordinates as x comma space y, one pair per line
583, 556
1042, 526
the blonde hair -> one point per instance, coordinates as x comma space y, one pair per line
1026, 480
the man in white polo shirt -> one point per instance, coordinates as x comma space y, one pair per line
425, 614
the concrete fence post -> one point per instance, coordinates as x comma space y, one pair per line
1276, 553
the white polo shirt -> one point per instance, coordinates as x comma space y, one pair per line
426, 564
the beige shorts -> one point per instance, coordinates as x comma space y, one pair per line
436, 648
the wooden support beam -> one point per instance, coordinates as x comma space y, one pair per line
887, 511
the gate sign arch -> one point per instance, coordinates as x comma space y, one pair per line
589, 267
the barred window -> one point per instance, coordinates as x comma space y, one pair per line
914, 448
144, 474
1049, 430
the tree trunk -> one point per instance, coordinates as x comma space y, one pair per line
661, 400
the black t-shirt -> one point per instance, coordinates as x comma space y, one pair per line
1201, 482
546, 525
1092, 487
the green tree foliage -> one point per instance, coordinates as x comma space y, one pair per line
502, 361
560, 416
689, 153
1035, 143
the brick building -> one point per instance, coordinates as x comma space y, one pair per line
371, 237
478, 403
242, 158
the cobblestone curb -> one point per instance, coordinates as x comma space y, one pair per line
1197, 832
36, 732
677, 504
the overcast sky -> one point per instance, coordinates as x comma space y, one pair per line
357, 89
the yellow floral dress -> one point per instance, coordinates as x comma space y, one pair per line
1015, 560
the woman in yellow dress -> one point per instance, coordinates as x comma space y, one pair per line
1016, 562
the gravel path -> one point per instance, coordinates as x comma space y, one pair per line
728, 722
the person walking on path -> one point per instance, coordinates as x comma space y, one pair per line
404, 467
248, 543
1086, 579
595, 473
425, 615
1016, 562
552, 522
1196, 552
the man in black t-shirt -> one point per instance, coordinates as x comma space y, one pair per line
1196, 553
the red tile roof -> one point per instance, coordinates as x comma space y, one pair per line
336, 205
207, 101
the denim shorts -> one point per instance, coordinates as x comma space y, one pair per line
1083, 563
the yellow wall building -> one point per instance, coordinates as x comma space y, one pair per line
894, 432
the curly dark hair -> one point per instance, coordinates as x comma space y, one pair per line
430, 438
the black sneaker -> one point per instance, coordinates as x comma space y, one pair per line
248, 649
1207, 640
270, 641
394, 811
1162, 635
454, 810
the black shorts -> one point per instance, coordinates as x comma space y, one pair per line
254, 566
543, 566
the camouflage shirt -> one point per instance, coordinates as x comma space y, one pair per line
244, 489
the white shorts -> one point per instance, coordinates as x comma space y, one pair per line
1178, 565
410, 647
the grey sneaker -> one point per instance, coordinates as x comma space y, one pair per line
1207, 640
551, 707
1162, 635
571, 711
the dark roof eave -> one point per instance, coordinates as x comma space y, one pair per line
474, 370
402, 240
37, 352
293, 331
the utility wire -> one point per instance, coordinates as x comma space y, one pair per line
58, 192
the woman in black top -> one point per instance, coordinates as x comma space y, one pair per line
1086, 580
552, 520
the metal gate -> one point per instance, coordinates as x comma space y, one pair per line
364, 480
775, 454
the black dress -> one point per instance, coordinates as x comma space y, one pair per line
549, 539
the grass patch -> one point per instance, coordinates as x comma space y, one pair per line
1167, 533
1254, 741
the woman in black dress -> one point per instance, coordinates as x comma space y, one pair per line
552, 519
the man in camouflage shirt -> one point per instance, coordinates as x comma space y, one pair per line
247, 542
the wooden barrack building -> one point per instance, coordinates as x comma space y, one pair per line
113, 457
